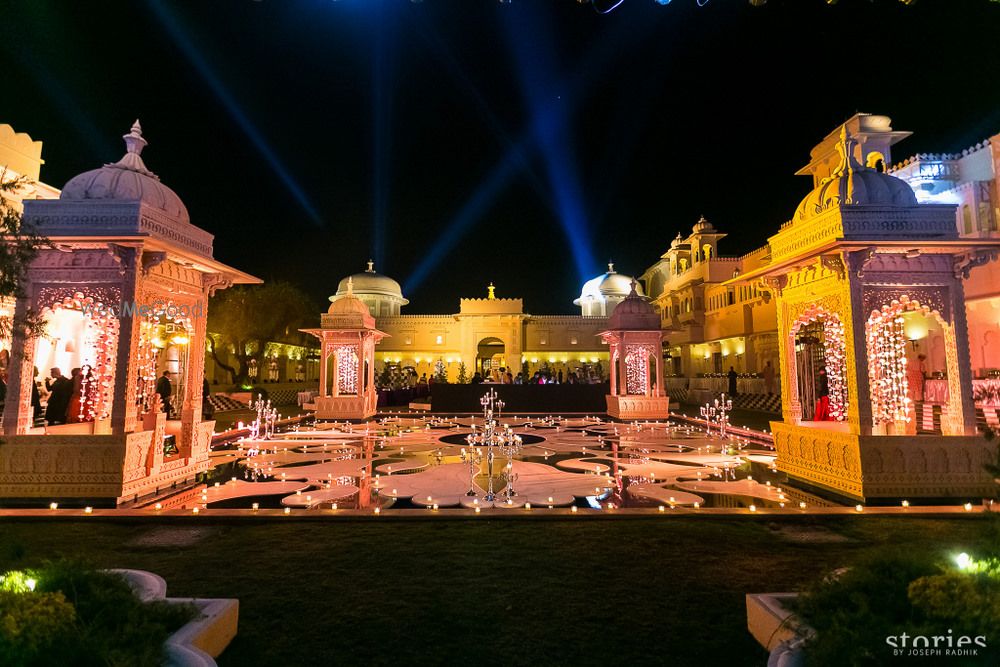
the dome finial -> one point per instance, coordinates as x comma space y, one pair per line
350, 286
490, 292
634, 285
371, 266
611, 266
846, 145
134, 141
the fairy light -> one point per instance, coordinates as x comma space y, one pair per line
636, 369
347, 368
887, 363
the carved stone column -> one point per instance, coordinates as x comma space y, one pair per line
17, 417
123, 407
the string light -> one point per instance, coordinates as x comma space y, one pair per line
887, 363
347, 368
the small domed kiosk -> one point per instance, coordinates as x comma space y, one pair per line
347, 337
634, 339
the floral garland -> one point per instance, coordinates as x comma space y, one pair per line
835, 357
887, 377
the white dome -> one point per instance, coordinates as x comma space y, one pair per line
852, 184
129, 180
369, 283
610, 284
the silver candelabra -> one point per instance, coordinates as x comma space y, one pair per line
717, 413
493, 436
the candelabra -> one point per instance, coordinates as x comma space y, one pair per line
266, 416
717, 413
493, 436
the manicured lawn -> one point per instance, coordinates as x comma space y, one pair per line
662, 590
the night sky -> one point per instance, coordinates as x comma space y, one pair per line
462, 141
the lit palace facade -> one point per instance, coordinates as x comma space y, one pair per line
714, 322
490, 333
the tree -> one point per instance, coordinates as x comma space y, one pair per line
463, 373
20, 247
440, 372
246, 318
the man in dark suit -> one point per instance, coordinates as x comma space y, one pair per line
164, 389
60, 390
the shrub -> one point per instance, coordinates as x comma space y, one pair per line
106, 624
885, 596
31, 623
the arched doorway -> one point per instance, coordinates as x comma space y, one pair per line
897, 365
490, 358
819, 354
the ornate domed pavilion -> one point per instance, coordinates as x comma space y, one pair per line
634, 340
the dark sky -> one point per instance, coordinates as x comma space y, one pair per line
464, 141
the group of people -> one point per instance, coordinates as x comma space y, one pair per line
70, 399
505, 376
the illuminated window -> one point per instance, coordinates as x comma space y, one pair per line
409, 340
572, 340
439, 340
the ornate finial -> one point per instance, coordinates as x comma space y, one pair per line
490, 295
611, 266
371, 266
134, 141
634, 292
350, 286
846, 146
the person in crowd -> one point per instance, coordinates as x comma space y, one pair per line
36, 397
508, 378
477, 379
83, 390
519, 378
60, 389
768, 377
915, 375
560, 376
732, 380
423, 379
164, 389
822, 397
207, 409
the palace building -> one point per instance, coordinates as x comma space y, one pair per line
491, 332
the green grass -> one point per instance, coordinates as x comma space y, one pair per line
653, 590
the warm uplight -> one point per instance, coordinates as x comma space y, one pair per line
53, 506
88, 509
968, 507
753, 508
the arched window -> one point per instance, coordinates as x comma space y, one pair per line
876, 161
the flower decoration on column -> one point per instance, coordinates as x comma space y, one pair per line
887, 364
97, 358
834, 357
146, 354
636, 370
834, 354
347, 368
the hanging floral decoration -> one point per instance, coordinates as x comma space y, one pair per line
100, 344
347, 368
887, 377
835, 357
